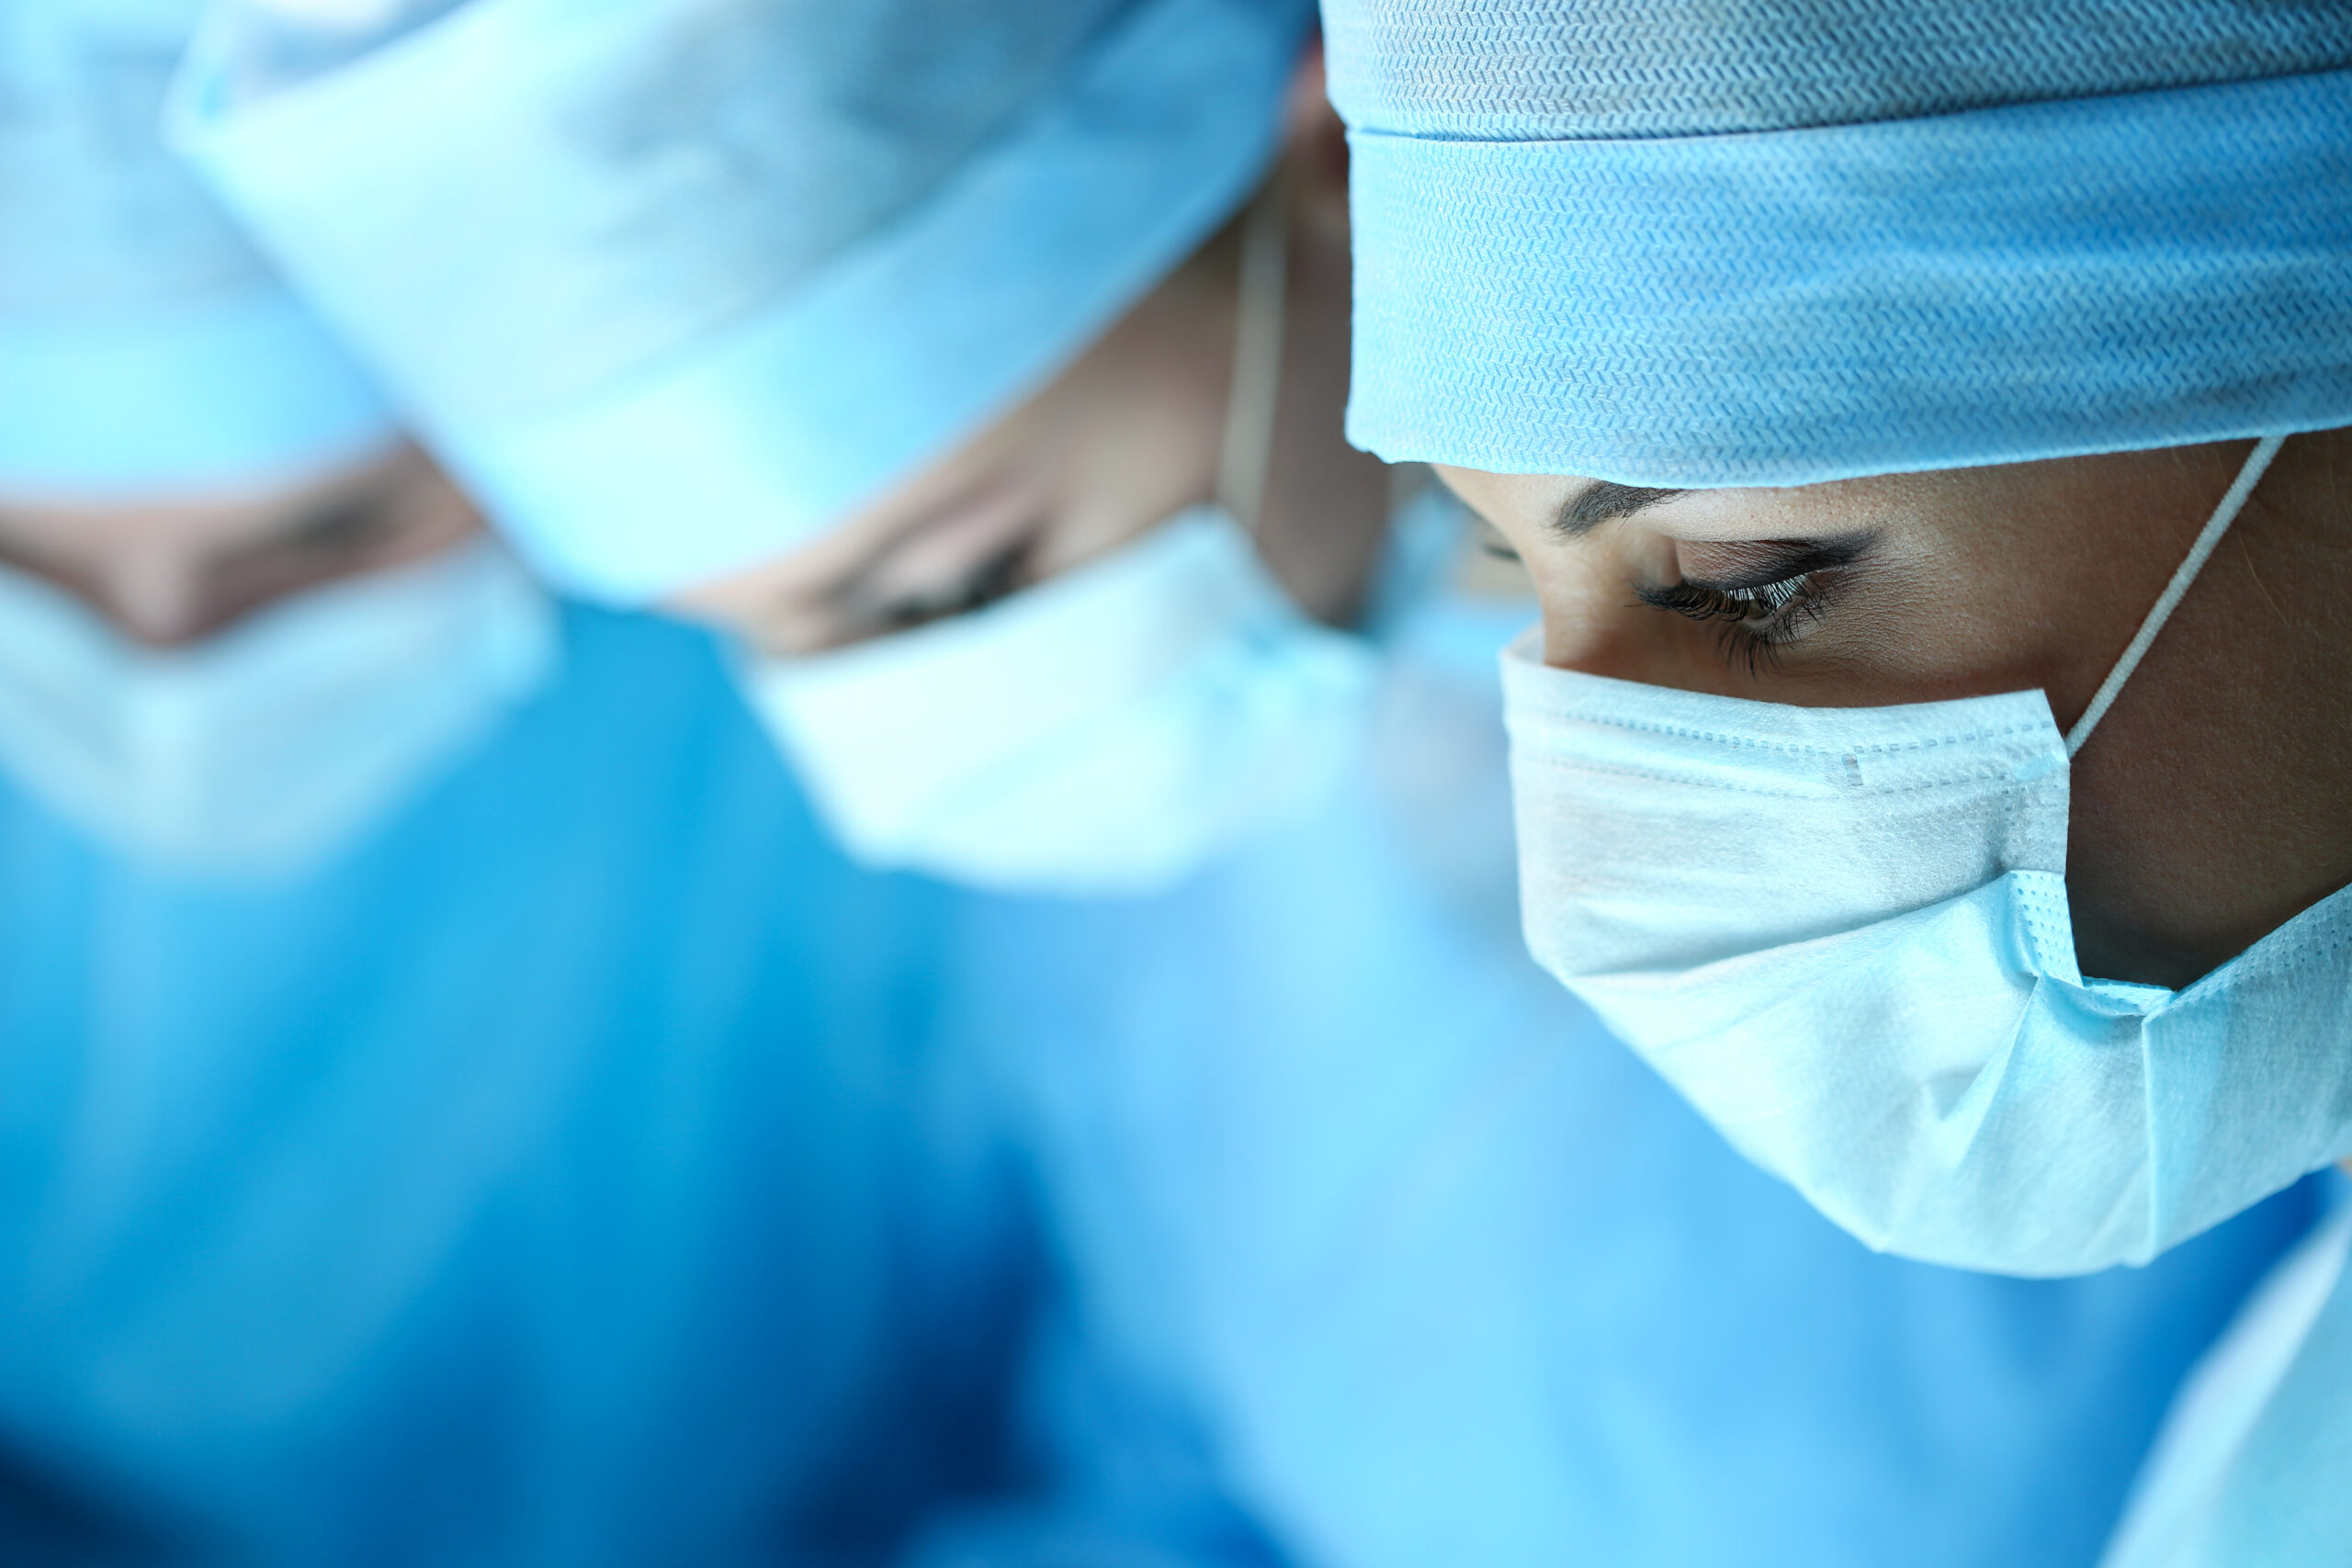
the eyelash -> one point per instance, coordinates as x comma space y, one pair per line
1753, 621
998, 577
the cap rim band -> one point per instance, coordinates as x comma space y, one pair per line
1791, 307
219, 393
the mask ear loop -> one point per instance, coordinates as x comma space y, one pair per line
1244, 451
2232, 501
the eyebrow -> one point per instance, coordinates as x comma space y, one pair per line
1604, 500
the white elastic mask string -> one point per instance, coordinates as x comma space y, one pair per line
2232, 503
1246, 451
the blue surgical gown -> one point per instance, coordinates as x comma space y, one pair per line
1434, 1271
562, 1179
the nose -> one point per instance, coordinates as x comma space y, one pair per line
1598, 628
157, 596
1588, 628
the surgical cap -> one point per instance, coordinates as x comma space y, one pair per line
1710, 242
676, 283
144, 347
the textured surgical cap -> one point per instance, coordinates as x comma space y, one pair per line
144, 348
1705, 242
673, 283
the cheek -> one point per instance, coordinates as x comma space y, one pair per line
1117, 450
1577, 619
1967, 620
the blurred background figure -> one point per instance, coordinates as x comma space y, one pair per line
688, 330
980, 367
240, 621
454, 1106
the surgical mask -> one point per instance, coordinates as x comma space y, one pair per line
1105, 732
1843, 934
268, 748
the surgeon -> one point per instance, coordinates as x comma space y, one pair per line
1931, 443
981, 367
439, 1053
240, 620
706, 356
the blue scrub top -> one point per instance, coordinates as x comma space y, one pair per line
557, 1179
1438, 1272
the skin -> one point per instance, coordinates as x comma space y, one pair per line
173, 570
2213, 802
1122, 439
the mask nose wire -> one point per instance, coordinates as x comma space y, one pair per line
2232, 501
1245, 449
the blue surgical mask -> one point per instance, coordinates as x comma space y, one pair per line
1844, 935
268, 748
1105, 732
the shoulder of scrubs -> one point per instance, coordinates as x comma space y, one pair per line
2254, 1464
547, 1182
1139, 1475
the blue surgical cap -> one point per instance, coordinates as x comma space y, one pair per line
144, 347
1710, 242
674, 283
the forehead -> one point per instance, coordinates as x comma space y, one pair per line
1565, 508
1508, 498
1562, 510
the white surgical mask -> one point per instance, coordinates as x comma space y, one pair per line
1843, 934
1105, 732
265, 749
